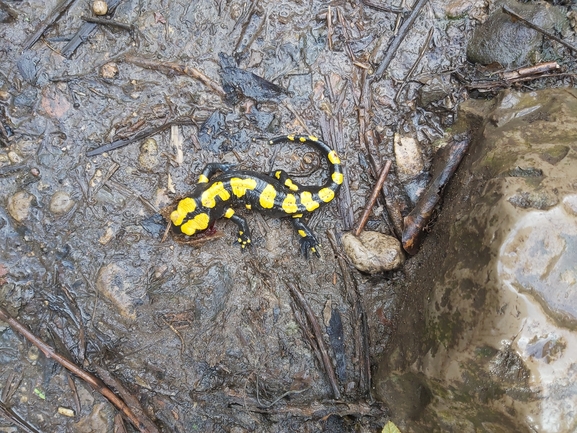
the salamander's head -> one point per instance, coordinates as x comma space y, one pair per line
189, 216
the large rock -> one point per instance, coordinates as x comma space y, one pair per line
496, 349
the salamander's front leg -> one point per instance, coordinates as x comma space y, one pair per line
211, 168
243, 230
308, 240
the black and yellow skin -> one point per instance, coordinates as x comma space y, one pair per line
273, 194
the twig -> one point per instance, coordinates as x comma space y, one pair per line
137, 137
10, 11
330, 27
383, 8
314, 410
142, 422
358, 319
376, 190
106, 22
404, 30
415, 64
85, 31
302, 302
421, 214
535, 70
529, 24
171, 67
9, 413
47, 22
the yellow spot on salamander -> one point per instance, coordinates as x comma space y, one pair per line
313, 138
337, 178
291, 137
267, 197
277, 174
185, 206
216, 190
229, 213
302, 233
302, 139
240, 185
326, 194
289, 204
202, 179
291, 185
308, 202
248, 206
197, 224
298, 215
333, 157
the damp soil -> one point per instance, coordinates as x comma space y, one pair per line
207, 337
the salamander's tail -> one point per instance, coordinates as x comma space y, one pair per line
330, 188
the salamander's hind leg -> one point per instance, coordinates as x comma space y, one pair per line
286, 180
211, 168
243, 231
308, 240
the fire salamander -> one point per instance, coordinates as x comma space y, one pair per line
273, 194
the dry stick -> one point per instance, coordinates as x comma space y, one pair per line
330, 28
142, 423
171, 67
383, 8
535, 70
106, 22
529, 24
85, 31
9, 413
13, 14
412, 70
137, 137
47, 22
359, 317
373, 198
298, 296
399, 38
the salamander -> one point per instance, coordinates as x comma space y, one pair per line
274, 194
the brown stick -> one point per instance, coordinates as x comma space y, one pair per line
142, 423
373, 198
171, 67
419, 217
302, 302
535, 70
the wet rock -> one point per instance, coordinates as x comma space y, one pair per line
149, 156
373, 252
113, 283
501, 320
99, 420
60, 203
512, 44
19, 205
434, 89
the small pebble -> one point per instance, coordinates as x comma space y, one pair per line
19, 205
109, 70
149, 156
99, 7
60, 203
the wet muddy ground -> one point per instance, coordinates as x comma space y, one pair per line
207, 338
